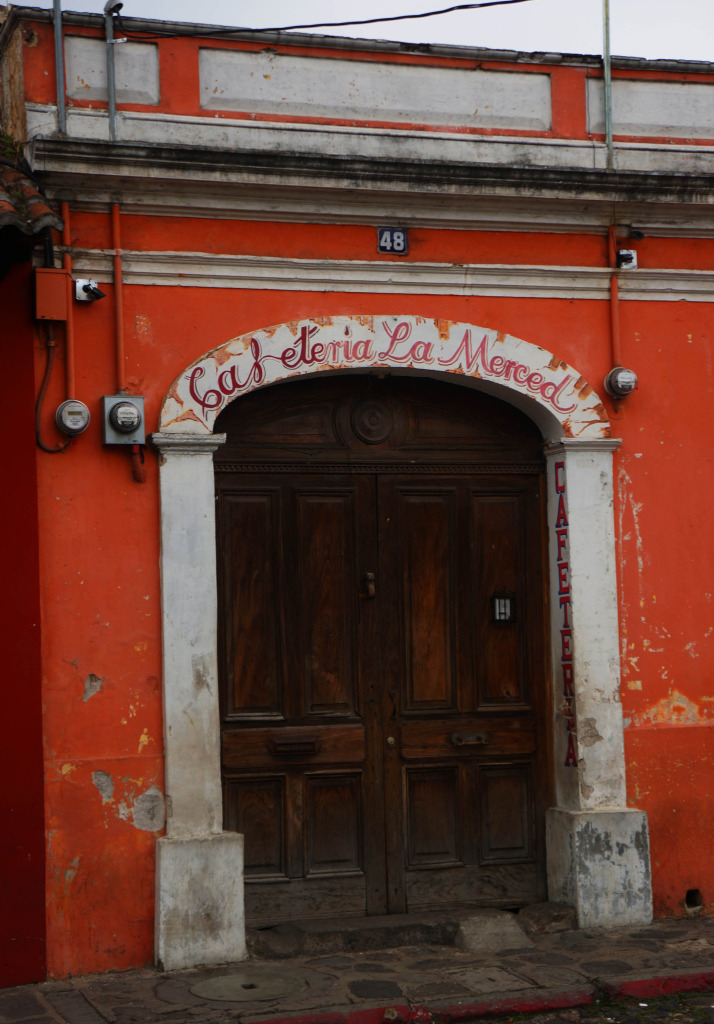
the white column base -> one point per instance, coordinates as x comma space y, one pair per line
199, 901
599, 863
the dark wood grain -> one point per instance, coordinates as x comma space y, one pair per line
383, 738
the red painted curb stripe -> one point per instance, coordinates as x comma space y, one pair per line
662, 985
516, 1004
310, 1018
402, 1014
697, 981
397, 1015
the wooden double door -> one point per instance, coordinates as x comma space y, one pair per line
382, 614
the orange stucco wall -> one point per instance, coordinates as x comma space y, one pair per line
100, 535
99, 529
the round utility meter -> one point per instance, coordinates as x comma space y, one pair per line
72, 417
620, 382
125, 417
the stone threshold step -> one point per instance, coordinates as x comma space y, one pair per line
468, 927
354, 934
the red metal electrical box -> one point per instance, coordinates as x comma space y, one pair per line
51, 287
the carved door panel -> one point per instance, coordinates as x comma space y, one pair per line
298, 780
381, 728
464, 789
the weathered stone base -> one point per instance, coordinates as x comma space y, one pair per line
599, 863
199, 901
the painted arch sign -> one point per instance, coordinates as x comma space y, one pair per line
371, 342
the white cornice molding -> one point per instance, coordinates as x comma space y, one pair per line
208, 270
418, 210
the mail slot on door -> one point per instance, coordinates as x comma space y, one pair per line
292, 746
469, 739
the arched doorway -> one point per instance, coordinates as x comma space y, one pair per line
597, 848
382, 647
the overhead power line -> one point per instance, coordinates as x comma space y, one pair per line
396, 17
332, 24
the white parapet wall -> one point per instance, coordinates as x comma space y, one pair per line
270, 83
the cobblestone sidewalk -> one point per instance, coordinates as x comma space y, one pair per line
629, 976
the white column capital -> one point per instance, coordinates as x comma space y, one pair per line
174, 443
564, 445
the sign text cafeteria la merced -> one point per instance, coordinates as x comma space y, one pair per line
315, 347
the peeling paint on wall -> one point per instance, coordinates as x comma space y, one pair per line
70, 873
628, 528
676, 709
588, 733
149, 811
201, 669
105, 784
92, 685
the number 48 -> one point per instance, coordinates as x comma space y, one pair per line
392, 240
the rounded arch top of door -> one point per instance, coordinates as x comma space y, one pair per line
552, 394
384, 422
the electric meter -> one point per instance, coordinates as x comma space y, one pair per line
123, 419
72, 417
620, 382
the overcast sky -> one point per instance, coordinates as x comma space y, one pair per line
682, 29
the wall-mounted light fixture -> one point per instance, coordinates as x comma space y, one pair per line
626, 259
86, 290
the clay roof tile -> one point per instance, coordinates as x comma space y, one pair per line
22, 205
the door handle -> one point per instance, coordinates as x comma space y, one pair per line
469, 739
367, 589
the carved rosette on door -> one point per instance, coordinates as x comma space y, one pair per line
382, 725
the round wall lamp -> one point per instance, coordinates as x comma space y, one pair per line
620, 382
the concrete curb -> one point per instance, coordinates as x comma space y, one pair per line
443, 1013
659, 985
616, 989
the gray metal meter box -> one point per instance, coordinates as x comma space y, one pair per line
123, 419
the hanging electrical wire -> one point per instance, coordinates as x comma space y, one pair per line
328, 24
397, 17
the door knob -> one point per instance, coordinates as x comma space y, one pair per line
367, 590
391, 742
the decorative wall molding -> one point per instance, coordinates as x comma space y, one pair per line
209, 270
250, 146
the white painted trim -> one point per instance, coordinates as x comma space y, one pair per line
457, 210
189, 634
363, 142
210, 270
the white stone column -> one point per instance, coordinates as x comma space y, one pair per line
598, 848
199, 868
